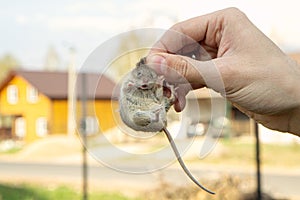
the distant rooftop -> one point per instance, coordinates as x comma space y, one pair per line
55, 84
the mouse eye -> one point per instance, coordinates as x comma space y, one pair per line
139, 74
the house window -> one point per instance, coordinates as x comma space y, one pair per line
20, 127
32, 94
91, 125
12, 94
41, 127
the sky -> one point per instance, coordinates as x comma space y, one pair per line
28, 28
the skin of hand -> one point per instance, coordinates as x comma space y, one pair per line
259, 79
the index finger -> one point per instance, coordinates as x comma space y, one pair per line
206, 30
182, 35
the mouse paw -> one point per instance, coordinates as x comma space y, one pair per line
141, 118
169, 95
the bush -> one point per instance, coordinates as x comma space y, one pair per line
226, 188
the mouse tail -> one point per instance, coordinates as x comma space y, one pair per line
188, 173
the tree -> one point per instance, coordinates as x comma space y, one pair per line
52, 59
136, 44
128, 54
7, 63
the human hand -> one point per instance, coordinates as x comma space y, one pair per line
258, 78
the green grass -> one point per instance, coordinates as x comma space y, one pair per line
242, 153
33, 192
11, 151
281, 155
233, 153
271, 154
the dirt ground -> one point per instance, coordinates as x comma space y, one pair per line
65, 150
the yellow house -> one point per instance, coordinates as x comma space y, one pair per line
34, 104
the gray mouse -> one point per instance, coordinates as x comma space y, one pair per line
144, 101
143, 106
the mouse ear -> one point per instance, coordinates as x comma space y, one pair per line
127, 86
141, 62
130, 84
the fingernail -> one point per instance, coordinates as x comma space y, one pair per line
158, 63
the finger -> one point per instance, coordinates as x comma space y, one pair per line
175, 68
206, 28
181, 92
181, 70
180, 35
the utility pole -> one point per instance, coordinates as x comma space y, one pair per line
52, 59
254, 129
258, 174
71, 92
84, 87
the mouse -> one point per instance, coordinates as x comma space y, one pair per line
143, 101
145, 98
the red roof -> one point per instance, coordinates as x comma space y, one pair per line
55, 84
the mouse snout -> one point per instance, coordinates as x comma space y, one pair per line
145, 80
144, 83
144, 86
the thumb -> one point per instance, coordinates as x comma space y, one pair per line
175, 68
182, 69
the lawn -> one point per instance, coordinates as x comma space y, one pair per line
237, 152
226, 187
34, 192
242, 152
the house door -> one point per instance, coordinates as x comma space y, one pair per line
20, 127
6, 127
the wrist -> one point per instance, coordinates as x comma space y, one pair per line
294, 119
294, 122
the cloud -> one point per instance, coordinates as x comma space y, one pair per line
21, 19
32, 19
86, 23
101, 7
121, 8
109, 17
113, 17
